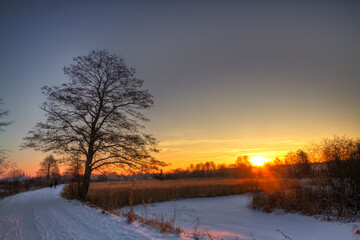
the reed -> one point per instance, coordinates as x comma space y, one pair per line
114, 195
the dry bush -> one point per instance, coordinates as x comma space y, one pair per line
307, 200
161, 223
69, 191
303, 200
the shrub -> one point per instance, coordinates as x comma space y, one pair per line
70, 191
307, 200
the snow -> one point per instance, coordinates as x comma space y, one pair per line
43, 214
229, 218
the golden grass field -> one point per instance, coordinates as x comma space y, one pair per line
113, 195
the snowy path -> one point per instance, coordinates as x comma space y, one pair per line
43, 214
229, 218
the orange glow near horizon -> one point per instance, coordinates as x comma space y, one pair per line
258, 161
181, 153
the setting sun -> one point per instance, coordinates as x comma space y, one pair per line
258, 161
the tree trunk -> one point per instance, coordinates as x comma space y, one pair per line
131, 197
85, 183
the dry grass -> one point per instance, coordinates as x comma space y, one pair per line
158, 222
308, 200
113, 195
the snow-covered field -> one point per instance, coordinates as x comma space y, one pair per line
229, 218
43, 214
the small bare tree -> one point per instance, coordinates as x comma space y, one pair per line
13, 182
75, 168
49, 168
97, 112
3, 113
3, 155
298, 163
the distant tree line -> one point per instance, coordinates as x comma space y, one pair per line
240, 169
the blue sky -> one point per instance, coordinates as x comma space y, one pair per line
227, 77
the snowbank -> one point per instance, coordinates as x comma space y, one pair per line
229, 218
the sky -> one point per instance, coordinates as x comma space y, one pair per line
229, 78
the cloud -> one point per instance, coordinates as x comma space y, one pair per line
199, 141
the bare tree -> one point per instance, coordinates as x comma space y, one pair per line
243, 166
4, 163
75, 168
3, 113
49, 168
97, 112
3, 155
13, 179
342, 159
302, 166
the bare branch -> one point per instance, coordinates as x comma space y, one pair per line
97, 113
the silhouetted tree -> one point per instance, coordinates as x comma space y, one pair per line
3, 113
3, 162
298, 163
290, 158
342, 161
243, 166
75, 168
302, 166
13, 183
49, 168
98, 112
